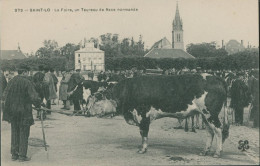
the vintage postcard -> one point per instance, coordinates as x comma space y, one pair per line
129, 82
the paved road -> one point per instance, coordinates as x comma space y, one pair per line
92, 141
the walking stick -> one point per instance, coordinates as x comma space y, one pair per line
43, 134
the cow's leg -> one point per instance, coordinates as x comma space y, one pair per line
144, 127
214, 103
197, 125
210, 136
186, 128
192, 124
218, 134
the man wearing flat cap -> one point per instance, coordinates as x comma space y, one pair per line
18, 98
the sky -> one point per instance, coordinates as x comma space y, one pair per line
203, 21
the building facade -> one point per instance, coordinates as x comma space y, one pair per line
177, 31
90, 58
233, 46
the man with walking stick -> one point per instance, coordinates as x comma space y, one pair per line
17, 99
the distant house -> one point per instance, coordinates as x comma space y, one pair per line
90, 58
233, 46
168, 53
12, 54
163, 43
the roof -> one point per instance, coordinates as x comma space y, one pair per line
168, 53
163, 43
234, 46
233, 43
89, 48
11, 54
83, 50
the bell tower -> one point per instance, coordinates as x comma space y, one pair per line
177, 31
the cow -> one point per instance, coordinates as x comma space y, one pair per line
146, 98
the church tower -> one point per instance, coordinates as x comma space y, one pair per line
177, 31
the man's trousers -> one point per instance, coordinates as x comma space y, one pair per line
76, 105
19, 139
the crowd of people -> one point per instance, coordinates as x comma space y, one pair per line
17, 95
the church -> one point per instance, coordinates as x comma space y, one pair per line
164, 49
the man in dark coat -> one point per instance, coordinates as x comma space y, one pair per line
40, 86
18, 98
3, 84
240, 98
75, 89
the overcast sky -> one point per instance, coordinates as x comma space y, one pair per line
203, 21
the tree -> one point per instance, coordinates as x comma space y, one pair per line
110, 44
50, 48
204, 50
69, 51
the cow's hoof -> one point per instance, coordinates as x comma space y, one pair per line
217, 154
142, 151
204, 153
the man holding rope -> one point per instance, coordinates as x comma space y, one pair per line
18, 98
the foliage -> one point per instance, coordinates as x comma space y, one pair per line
69, 51
115, 48
240, 61
49, 49
57, 63
204, 50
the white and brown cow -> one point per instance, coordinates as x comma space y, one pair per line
146, 98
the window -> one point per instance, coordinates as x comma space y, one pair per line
78, 61
178, 37
78, 55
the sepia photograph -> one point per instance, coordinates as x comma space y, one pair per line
129, 82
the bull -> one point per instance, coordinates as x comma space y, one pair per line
146, 98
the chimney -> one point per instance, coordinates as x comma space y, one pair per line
223, 44
248, 45
97, 44
19, 49
242, 43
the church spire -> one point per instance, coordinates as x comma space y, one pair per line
177, 31
177, 14
177, 22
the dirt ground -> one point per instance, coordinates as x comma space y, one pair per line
78, 140
81, 141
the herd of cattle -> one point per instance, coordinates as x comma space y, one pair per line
145, 98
